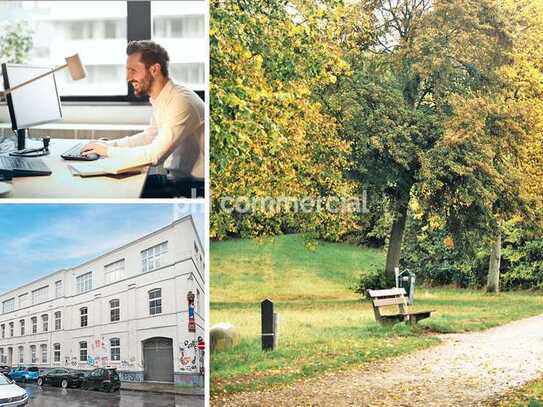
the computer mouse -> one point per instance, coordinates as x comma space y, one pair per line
92, 156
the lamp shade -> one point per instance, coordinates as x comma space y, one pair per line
77, 71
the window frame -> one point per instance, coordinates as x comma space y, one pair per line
115, 309
22, 327
84, 315
58, 318
56, 352
117, 348
85, 349
155, 303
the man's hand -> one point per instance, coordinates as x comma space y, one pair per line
96, 147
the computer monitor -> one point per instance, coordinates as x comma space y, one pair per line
34, 104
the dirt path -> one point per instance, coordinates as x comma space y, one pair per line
465, 370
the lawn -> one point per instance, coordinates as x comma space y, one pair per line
323, 325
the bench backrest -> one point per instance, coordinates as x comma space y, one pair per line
384, 298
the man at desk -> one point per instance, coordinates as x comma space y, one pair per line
175, 137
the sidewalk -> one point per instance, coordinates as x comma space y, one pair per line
164, 388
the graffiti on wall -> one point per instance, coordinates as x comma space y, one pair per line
190, 356
192, 323
131, 376
132, 363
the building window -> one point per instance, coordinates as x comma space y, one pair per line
34, 321
155, 301
23, 300
58, 320
115, 346
11, 329
82, 351
58, 289
22, 326
33, 357
114, 271
115, 310
56, 352
40, 295
8, 305
21, 354
83, 283
2, 355
153, 257
43, 353
45, 322
84, 316
3, 327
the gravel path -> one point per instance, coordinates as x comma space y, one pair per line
465, 370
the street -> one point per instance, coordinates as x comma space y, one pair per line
54, 397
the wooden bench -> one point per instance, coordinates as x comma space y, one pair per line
391, 297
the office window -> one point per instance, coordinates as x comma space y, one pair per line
40, 295
43, 353
58, 289
8, 305
11, 329
45, 322
34, 321
115, 346
114, 271
21, 354
84, 316
58, 320
3, 328
155, 301
23, 300
153, 257
22, 326
33, 356
115, 310
183, 23
82, 351
83, 283
56, 352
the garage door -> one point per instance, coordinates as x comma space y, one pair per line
158, 360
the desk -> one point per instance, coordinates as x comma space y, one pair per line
62, 184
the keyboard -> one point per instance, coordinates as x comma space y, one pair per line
74, 153
24, 167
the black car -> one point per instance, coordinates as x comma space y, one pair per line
106, 379
61, 377
5, 369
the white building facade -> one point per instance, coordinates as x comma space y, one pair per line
127, 309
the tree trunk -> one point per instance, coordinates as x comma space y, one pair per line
493, 278
396, 237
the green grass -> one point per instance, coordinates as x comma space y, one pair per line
529, 395
323, 325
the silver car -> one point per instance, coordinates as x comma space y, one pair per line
11, 395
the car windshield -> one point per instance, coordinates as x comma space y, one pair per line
4, 380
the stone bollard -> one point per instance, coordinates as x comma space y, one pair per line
223, 336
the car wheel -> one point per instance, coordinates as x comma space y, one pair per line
40, 382
64, 383
106, 388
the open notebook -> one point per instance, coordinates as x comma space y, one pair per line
104, 166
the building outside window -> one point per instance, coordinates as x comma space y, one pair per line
8, 305
115, 310
45, 322
58, 320
44, 353
22, 326
83, 283
56, 352
153, 257
84, 316
114, 271
40, 295
83, 351
21, 354
33, 356
155, 301
3, 328
11, 329
2, 355
34, 321
115, 346
58, 289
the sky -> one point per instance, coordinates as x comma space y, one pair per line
38, 239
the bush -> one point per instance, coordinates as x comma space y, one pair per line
371, 280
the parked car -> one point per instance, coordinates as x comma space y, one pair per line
11, 395
24, 374
4, 369
61, 377
106, 379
